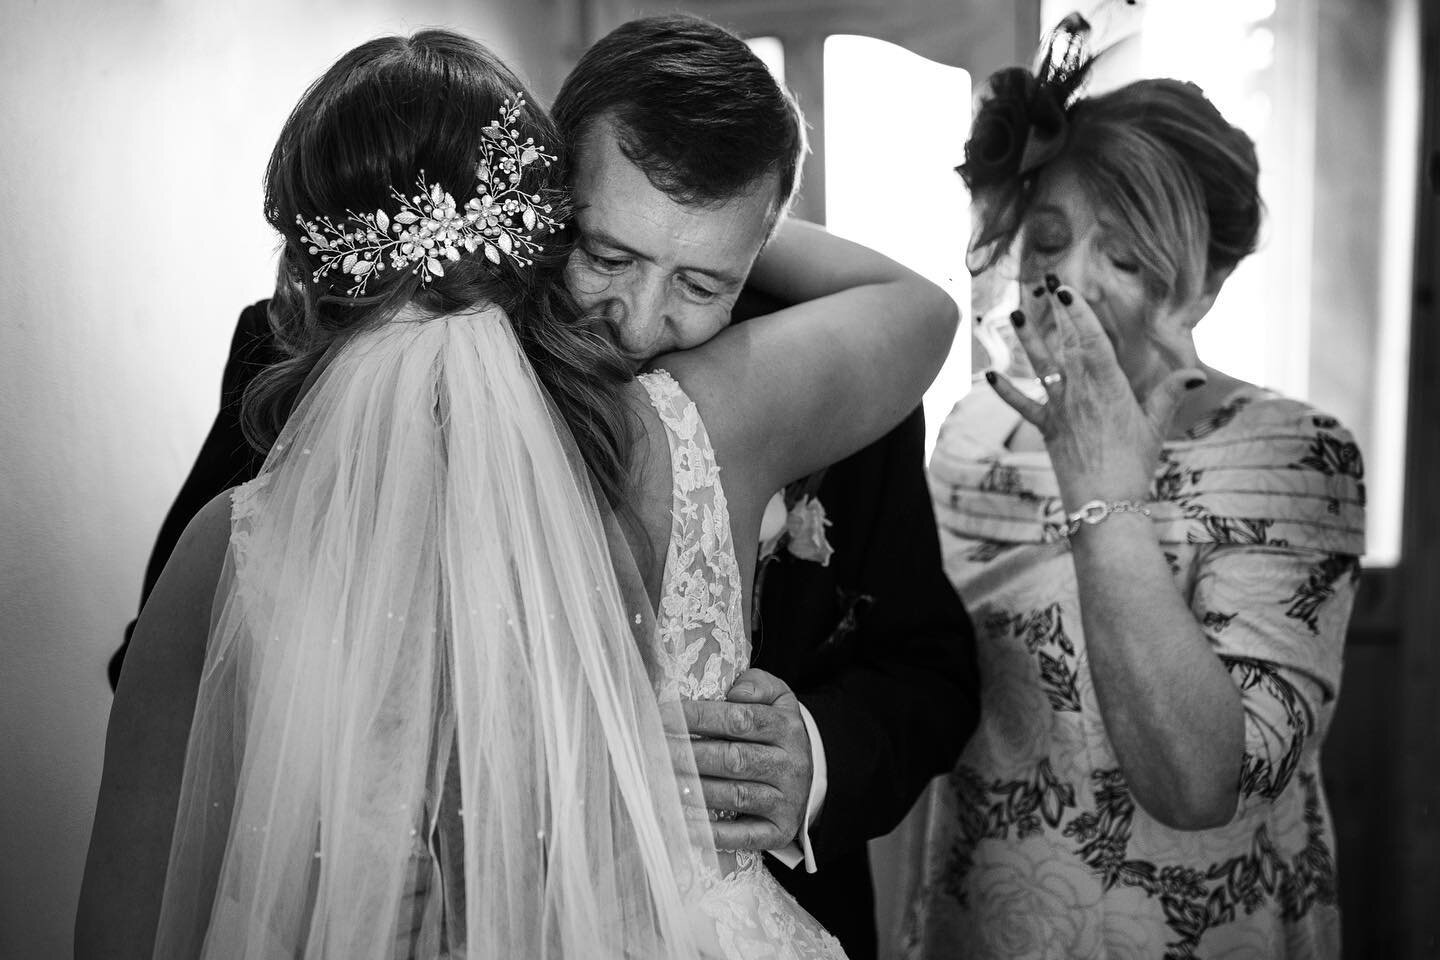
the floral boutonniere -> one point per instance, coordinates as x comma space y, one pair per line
801, 531
805, 527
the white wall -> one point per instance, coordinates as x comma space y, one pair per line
133, 139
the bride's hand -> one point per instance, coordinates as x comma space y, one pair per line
1102, 441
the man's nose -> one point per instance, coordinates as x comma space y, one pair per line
637, 316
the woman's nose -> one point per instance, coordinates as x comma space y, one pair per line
1079, 270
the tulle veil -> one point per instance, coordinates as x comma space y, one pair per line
426, 724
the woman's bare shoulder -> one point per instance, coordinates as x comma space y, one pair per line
202, 547
178, 609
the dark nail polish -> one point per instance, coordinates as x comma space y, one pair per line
1194, 383
1051, 282
990, 377
1038, 291
1064, 297
1017, 318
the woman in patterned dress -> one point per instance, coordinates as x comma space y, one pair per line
1160, 560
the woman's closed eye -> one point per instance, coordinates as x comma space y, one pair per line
1047, 242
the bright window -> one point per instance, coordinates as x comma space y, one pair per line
895, 128
771, 52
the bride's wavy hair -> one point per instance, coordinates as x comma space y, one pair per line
386, 111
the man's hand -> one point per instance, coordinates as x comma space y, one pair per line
753, 757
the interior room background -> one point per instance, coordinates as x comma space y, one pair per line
135, 134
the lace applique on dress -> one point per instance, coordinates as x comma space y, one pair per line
701, 622
244, 505
702, 603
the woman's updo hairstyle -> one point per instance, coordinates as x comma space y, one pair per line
1156, 153
387, 111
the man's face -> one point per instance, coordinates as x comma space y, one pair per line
662, 274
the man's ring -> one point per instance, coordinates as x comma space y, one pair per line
1053, 378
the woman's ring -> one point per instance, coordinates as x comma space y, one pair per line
1053, 378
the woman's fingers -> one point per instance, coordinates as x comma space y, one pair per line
1042, 359
1033, 412
1041, 318
1077, 326
1042, 363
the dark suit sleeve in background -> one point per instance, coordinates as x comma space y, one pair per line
225, 458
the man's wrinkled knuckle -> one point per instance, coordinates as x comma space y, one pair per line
739, 720
764, 799
732, 759
724, 797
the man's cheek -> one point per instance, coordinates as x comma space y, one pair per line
702, 329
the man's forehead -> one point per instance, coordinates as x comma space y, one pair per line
619, 206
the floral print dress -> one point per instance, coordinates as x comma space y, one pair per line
1033, 845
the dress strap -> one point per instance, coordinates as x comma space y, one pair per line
702, 604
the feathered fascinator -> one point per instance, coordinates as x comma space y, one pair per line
1021, 125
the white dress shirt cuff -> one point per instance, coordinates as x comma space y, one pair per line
799, 851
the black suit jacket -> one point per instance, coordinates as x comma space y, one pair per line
876, 644
879, 649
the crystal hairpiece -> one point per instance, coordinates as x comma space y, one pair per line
501, 219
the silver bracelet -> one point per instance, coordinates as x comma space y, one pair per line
1097, 510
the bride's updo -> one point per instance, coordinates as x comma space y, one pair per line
387, 112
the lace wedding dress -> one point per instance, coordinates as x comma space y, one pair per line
703, 646
427, 723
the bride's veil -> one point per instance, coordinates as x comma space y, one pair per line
426, 724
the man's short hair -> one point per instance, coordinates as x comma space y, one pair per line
693, 107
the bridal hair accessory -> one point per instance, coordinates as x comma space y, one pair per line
501, 219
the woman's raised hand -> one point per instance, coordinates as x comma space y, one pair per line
1103, 442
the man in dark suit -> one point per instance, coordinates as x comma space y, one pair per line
863, 684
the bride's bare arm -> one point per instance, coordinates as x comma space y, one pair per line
790, 392
145, 748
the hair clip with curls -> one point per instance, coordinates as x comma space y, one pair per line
501, 220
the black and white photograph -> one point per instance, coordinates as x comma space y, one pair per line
720, 480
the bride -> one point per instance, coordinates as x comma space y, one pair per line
411, 691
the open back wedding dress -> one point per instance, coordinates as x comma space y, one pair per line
428, 721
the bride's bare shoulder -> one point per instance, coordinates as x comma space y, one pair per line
178, 609
207, 535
